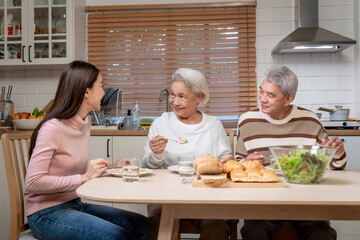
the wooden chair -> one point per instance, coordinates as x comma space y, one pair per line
15, 148
230, 133
186, 227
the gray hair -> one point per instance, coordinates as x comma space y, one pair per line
284, 77
193, 79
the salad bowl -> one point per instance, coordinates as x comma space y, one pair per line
304, 164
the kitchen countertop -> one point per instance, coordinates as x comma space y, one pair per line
114, 132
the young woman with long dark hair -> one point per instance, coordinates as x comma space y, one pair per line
59, 152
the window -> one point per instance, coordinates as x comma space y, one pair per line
138, 47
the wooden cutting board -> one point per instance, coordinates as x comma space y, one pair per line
231, 184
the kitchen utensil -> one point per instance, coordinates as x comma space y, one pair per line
303, 164
2, 102
180, 141
7, 102
338, 114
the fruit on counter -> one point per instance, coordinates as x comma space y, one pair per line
36, 114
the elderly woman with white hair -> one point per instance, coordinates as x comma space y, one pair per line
205, 135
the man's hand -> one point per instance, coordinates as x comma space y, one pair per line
256, 156
335, 142
224, 160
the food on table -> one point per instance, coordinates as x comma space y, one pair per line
252, 164
210, 170
220, 178
303, 166
231, 165
253, 175
118, 171
207, 165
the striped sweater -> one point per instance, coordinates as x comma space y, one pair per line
257, 131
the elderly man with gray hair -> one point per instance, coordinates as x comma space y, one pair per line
278, 122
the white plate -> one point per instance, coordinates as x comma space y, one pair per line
174, 168
117, 171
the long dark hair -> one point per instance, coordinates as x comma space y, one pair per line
76, 77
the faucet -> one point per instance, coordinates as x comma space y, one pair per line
167, 98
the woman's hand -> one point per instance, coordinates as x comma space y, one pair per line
118, 163
158, 144
94, 169
256, 156
335, 142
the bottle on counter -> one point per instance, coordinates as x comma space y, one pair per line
128, 121
136, 116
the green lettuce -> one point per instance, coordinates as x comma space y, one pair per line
303, 167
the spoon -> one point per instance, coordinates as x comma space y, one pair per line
181, 141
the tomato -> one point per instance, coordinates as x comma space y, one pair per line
16, 116
304, 170
285, 160
25, 115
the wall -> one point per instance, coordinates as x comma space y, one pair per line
324, 79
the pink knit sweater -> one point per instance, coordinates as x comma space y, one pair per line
58, 160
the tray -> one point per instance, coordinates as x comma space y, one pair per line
231, 184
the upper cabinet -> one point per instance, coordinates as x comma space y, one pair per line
39, 32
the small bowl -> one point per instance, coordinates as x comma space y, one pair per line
303, 164
26, 124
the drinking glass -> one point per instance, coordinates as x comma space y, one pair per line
130, 170
186, 168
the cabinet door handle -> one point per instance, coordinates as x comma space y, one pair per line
29, 53
22, 53
107, 147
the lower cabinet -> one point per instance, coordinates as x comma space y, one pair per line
112, 148
351, 144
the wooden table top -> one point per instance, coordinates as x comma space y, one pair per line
165, 187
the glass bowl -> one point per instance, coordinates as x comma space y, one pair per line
303, 163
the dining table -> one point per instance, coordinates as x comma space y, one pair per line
336, 197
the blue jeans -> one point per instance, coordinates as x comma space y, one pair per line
78, 220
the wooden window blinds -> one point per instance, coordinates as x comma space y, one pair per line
137, 50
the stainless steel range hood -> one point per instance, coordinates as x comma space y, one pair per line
309, 37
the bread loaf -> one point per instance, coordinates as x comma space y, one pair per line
252, 164
254, 172
238, 175
207, 165
231, 165
217, 179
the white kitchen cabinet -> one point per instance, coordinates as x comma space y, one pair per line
39, 32
351, 144
101, 147
112, 148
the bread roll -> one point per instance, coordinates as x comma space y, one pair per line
231, 165
238, 175
252, 164
268, 175
218, 179
253, 175
207, 165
